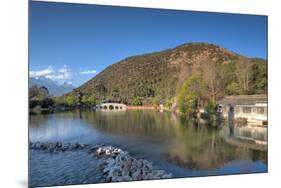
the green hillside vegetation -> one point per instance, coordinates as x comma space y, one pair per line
74, 100
39, 96
185, 74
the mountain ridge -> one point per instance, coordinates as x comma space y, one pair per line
157, 77
53, 87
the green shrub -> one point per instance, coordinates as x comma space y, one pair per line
47, 102
234, 89
70, 100
136, 101
91, 100
211, 107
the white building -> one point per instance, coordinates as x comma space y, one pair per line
251, 107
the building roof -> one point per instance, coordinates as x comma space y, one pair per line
243, 99
112, 103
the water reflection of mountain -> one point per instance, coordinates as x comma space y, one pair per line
182, 142
199, 148
191, 145
133, 123
202, 147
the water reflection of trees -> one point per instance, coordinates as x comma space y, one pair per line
37, 120
189, 144
193, 145
134, 122
199, 147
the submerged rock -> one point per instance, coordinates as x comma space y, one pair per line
56, 147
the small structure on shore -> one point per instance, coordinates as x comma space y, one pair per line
253, 108
111, 107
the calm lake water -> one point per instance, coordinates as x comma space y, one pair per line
174, 144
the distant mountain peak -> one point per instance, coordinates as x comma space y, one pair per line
55, 88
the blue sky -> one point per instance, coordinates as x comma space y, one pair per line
74, 42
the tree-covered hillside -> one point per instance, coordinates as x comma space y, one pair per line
161, 77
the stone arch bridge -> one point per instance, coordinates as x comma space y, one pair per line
111, 106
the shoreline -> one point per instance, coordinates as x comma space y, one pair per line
141, 107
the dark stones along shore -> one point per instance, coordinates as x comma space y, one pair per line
116, 165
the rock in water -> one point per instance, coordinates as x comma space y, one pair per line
116, 164
120, 166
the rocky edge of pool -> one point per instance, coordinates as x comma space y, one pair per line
115, 164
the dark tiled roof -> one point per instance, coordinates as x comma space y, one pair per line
243, 99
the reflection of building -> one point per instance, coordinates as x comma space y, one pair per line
254, 137
251, 107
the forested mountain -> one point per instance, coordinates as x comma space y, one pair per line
204, 69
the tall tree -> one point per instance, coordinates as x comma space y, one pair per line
244, 74
211, 77
191, 93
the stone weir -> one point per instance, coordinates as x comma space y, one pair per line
115, 164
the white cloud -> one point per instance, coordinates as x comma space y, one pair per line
55, 77
88, 72
44, 72
63, 70
60, 75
